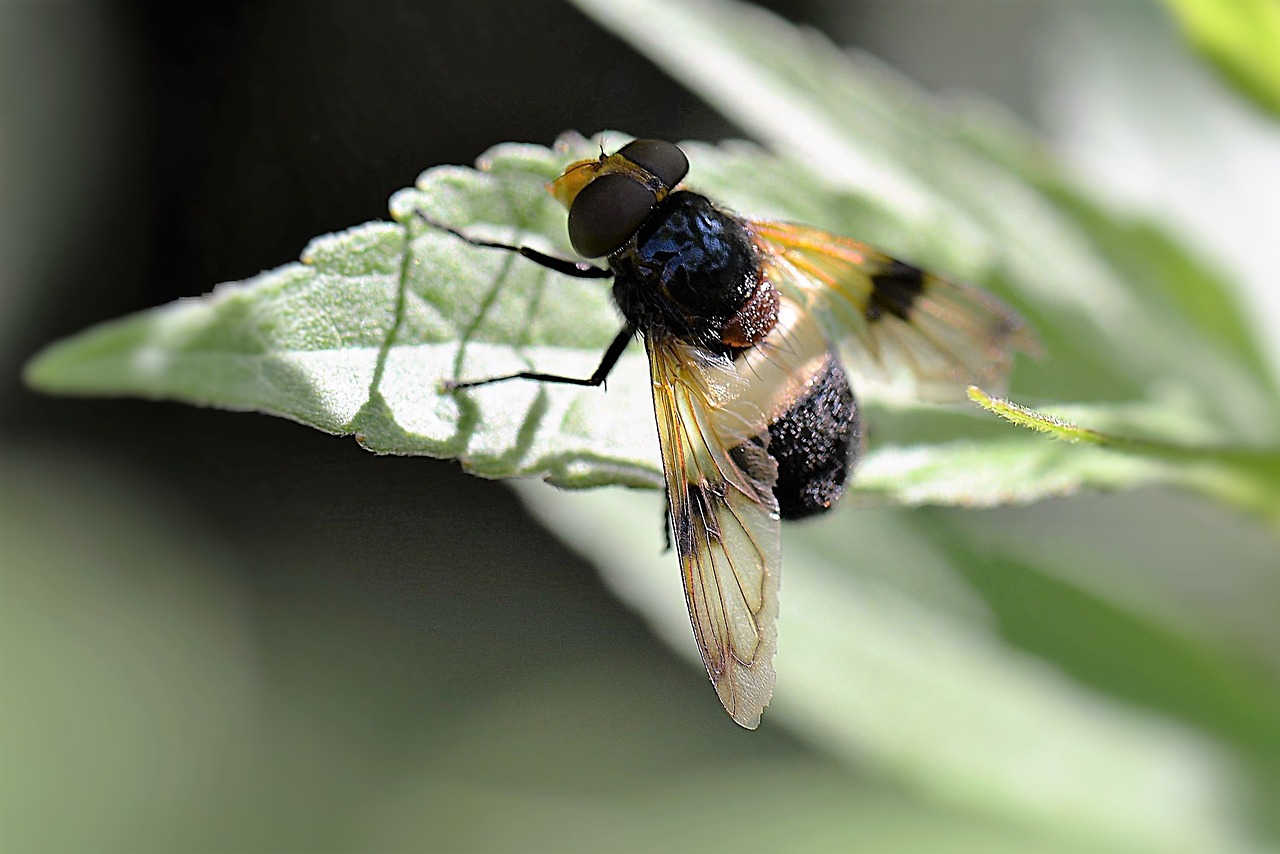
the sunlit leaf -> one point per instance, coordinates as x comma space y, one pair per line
1242, 38
357, 338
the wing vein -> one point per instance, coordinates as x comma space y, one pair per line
724, 517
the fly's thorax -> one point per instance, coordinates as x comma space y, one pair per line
693, 270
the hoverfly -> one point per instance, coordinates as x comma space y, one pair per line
741, 319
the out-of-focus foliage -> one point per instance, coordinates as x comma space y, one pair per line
139, 711
1242, 38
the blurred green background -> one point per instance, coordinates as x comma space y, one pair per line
224, 632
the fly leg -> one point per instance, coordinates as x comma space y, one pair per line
577, 269
597, 378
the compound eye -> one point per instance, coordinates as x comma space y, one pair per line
659, 157
607, 212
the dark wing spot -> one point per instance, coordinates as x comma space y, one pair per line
697, 523
894, 290
682, 523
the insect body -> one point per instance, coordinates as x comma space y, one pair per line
756, 417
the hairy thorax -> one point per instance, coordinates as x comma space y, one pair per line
693, 272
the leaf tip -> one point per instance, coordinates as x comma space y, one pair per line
34, 373
980, 397
52, 369
1041, 422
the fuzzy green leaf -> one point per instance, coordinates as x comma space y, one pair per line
358, 337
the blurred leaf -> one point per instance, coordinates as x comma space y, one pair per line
128, 662
792, 807
152, 693
1242, 38
887, 659
1194, 301
1122, 652
1165, 274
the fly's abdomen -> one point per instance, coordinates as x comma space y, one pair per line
797, 382
816, 443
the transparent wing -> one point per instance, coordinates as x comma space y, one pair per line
947, 336
724, 518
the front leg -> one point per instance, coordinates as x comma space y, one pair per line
577, 269
610, 359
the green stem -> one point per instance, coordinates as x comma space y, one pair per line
1246, 478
